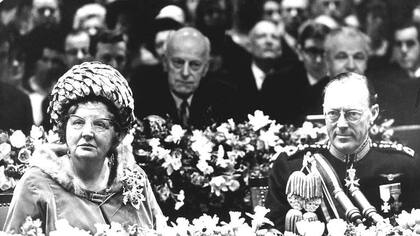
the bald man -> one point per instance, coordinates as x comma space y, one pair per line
188, 98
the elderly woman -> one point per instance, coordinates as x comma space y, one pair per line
95, 181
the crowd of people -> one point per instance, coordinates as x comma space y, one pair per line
270, 55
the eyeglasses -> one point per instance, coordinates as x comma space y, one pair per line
314, 51
98, 125
352, 116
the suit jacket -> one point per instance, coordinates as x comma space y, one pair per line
213, 101
277, 97
397, 94
15, 109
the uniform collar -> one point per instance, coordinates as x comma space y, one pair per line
359, 153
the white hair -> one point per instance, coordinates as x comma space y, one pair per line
86, 11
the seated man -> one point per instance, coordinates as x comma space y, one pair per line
387, 175
188, 98
311, 82
15, 107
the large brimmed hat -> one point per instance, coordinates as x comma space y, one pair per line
92, 79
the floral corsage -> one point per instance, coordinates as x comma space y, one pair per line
133, 184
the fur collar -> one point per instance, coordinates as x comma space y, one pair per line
58, 168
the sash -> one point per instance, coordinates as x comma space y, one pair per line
336, 198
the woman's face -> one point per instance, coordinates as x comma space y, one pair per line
90, 131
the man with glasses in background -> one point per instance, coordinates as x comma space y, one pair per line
404, 73
385, 173
312, 80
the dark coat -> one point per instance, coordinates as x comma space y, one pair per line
213, 101
15, 107
277, 98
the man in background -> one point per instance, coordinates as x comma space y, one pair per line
189, 98
15, 107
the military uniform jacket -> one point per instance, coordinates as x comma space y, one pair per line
381, 165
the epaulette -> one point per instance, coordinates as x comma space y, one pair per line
305, 148
393, 146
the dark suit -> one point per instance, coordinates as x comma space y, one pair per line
15, 109
212, 102
397, 94
307, 98
277, 97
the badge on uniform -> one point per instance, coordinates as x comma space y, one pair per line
386, 191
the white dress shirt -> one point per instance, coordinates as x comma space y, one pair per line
259, 75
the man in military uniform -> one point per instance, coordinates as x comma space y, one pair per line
385, 173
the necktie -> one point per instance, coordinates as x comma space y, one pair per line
183, 113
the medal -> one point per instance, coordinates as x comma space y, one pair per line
385, 194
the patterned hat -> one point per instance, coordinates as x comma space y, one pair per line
92, 79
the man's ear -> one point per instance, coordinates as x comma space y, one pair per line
375, 112
206, 68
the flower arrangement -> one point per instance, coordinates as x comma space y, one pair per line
208, 171
205, 225
15, 151
405, 224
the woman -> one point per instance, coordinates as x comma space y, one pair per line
95, 181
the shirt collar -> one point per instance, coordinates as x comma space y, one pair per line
359, 153
311, 80
417, 73
179, 100
259, 75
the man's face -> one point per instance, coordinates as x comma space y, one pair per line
333, 8
348, 115
407, 48
77, 49
160, 41
92, 25
346, 54
46, 12
294, 12
215, 15
113, 54
312, 55
186, 63
265, 41
51, 58
271, 11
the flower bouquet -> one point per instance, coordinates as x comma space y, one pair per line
15, 150
202, 226
209, 171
